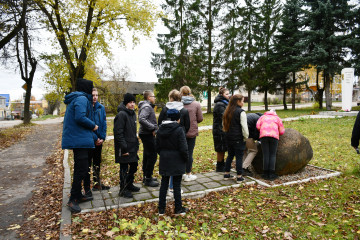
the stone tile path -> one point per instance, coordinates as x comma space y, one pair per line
204, 184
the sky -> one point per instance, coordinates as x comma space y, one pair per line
136, 58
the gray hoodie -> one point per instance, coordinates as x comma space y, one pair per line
147, 118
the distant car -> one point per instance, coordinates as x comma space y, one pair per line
9, 117
358, 101
34, 116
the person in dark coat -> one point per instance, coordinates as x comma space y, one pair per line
252, 142
172, 148
78, 135
355, 136
126, 145
221, 101
147, 132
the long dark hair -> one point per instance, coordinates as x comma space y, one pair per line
229, 112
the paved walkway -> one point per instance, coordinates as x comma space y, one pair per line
20, 166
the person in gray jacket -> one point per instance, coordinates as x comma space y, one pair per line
147, 132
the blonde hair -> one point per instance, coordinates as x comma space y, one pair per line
95, 89
174, 95
185, 91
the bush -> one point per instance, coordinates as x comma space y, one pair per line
316, 105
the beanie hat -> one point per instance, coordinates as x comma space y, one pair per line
173, 114
128, 98
84, 85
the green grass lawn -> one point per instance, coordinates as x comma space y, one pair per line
44, 117
321, 209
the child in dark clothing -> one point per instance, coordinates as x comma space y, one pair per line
172, 148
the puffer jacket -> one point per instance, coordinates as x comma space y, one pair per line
125, 139
195, 114
219, 135
100, 120
270, 125
184, 114
78, 122
147, 118
172, 147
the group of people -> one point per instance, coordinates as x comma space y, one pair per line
172, 137
240, 134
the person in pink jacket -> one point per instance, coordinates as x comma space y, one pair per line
271, 128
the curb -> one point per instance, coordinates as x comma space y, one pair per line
65, 213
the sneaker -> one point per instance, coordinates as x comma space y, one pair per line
86, 197
273, 176
246, 172
73, 206
99, 187
125, 193
228, 176
133, 188
151, 183
239, 179
161, 212
181, 212
189, 178
170, 192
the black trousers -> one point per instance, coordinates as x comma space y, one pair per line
235, 149
149, 155
191, 146
269, 147
177, 192
127, 172
81, 167
94, 160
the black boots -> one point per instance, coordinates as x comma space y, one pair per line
246, 172
220, 166
150, 182
269, 175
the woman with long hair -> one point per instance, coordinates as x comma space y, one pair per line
236, 129
221, 101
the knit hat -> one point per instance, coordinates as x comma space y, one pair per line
128, 98
84, 85
173, 114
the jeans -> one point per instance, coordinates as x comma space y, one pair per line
235, 149
94, 160
269, 147
81, 167
191, 146
177, 192
127, 172
149, 154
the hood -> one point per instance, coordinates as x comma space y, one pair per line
187, 100
71, 96
97, 105
84, 85
175, 105
167, 128
122, 107
144, 103
270, 113
221, 98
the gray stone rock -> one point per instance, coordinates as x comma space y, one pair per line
293, 154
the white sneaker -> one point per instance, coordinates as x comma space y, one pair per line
184, 176
189, 178
170, 192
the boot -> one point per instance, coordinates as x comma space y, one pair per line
130, 184
220, 166
265, 175
246, 172
150, 182
124, 192
272, 175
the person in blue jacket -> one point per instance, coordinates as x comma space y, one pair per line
78, 135
95, 154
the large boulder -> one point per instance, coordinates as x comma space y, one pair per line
293, 154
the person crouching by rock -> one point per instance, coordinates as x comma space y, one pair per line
126, 145
173, 150
252, 142
270, 127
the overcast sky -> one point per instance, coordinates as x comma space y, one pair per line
136, 58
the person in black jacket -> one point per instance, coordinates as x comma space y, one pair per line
355, 136
252, 142
221, 102
172, 148
126, 145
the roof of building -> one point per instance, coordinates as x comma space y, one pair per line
7, 96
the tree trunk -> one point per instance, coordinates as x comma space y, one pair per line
209, 100
266, 100
284, 96
328, 92
209, 75
319, 95
27, 105
293, 92
249, 100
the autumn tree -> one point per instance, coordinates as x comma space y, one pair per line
84, 29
